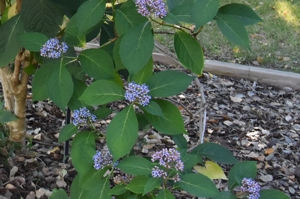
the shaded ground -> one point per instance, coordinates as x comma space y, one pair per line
254, 121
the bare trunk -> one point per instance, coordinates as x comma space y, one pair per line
2, 6
14, 84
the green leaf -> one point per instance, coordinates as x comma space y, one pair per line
183, 12
9, 42
143, 75
225, 195
135, 165
77, 192
274, 194
180, 141
137, 184
30, 70
165, 194
107, 32
101, 92
242, 12
239, 171
82, 152
127, 17
152, 184
136, 47
233, 30
189, 160
59, 194
189, 52
100, 190
66, 132
42, 16
74, 102
33, 41
97, 64
118, 190
6, 116
92, 178
102, 112
39, 83
204, 11
116, 55
171, 123
198, 185
168, 83
122, 132
60, 85
153, 108
89, 14
72, 36
215, 152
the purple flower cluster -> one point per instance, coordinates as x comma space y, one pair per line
137, 93
147, 7
168, 159
53, 49
252, 187
83, 115
102, 159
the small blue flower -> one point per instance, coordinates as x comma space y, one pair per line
102, 159
252, 187
53, 49
83, 115
147, 7
137, 93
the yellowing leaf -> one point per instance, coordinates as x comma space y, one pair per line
211, 170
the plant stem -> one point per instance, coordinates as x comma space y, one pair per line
18, 6
2, 6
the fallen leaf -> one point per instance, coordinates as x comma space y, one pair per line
236, 99
42, 191
266, 178
259, 59
13, 171
211, 170
268, 151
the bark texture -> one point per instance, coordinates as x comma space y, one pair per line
14, 84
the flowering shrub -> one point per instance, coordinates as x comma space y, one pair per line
121, 69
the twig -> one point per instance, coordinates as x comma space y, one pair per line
184, 107
163, 32
202, 115
18, 6
2, 6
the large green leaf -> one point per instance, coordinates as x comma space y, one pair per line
168, 83
189, 160
215, 152
6, 116
189, 52
74, 102
137, 184
165, 194
136, 47
118, 190
42, 16
122, 132
92, 178
39, 83
274, 194
144, 74
233, 30
9, 43
153, 108
127, 18
204, 11
60, 85
198, 185
171, 123
242, 12
225, 195
77, 192
59, 194
239, 171
97, 64
135, 165
100, 190
102, 92
82, 152
33, 41
72, 36
66, 132
89, 14
152, 184
116, 55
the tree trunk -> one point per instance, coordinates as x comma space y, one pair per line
14, 85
